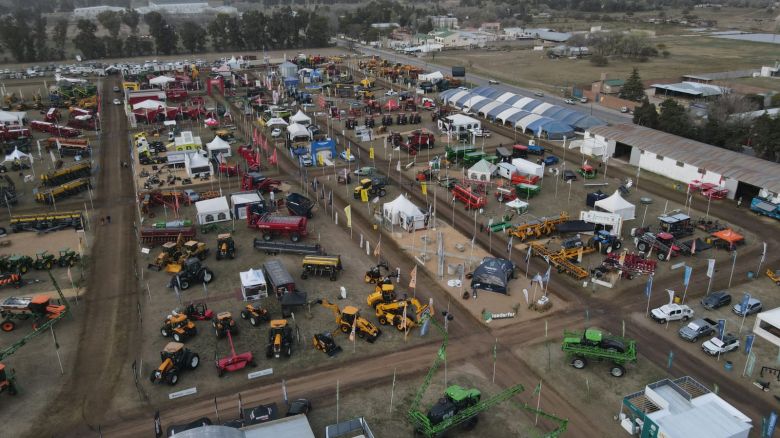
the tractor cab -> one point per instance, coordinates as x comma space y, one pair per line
169, 248
191, 266
7, 381
171, 351
279, 338
365, 184
348, 315
191, 246
455, 400
198, 311
665, 238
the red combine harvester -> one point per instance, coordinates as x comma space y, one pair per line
256, 181
234, 362
466, 196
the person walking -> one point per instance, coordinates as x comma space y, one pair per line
108, 219
739, 202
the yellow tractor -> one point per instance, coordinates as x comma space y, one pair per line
349, 318
384, 292
174, 359
178, 327
280, 339
403, 314
169, 254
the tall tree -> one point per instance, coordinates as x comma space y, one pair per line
111, 21
165, 37
193, 37
633, 89
226, 32
59, 37
646, 114
89, 45
253, 29
318, 32
766, 137
9, 34
131, 18
40, 38
674, 119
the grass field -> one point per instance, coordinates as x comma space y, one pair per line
690, 54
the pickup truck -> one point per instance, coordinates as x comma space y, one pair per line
698, 328
671, 312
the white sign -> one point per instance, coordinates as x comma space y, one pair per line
182, 393
602, 283
145, 251
678, 265
261, 373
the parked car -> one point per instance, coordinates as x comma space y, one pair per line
179, 428
117, 102
314, 129
624, 109
539, 93
493, 82
481, 133
306, 160
569, 175
671, 312
551, 160
716, 346
570, 101
116, 89
276, 133
698, 328
583, 100
260, 414
365, 171
299, 406
753, 306
716, 300
391, 93
344, 157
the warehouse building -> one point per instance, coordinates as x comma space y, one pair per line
686, 160
681, 408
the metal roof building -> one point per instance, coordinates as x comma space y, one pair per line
685, 160
681, 408
690, 90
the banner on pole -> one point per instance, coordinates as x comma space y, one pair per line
687, 276
413, 278
649, 286
710, 267
749, 339
348, 213
721, 328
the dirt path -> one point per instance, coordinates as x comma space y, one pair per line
108, 329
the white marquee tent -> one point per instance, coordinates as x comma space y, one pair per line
12, 117
296, 130
301, 118
403, 212
196, 164
616, 204
276, 121
218, 146
149, 104
17, 155
161, 80
482, 171
253, 286
213, 210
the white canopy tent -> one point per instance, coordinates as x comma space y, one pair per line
403, 212
218, 146
161, 80
276, 121
253, 286
616, 204
301, 118
149, 104
196, 164
213, 210
433, 77
240, 202
12, 117
17, 155
296, 130
482, 171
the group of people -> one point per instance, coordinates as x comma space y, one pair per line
105, 220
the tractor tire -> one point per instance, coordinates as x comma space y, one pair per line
661, 256
382, 193
400, 326
304, 275
153, 376
194, 361
254, 321
173, 378
334, 276
641, 246
177, 337
202, 256
164, 332
232, 255
8, 325
219, 332
220, 371
269, 351
579, 363
295, 238
244, 315
47, 265
345, 328
361, 334
184, 284
592, 242
617, 244
383, 320
617, 371
267, 237
206, 276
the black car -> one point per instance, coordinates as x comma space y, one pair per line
299, 406
178, 428
716, 300
569, 175
260, 414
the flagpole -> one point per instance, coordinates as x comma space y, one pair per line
733, 263
760, 262
538, 403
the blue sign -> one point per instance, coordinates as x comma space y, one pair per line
687, 276
771, 424
743, 305
649, 286
749, 343
721, 328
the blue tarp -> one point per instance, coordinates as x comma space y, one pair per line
477, 106
459, 103
492, 114
514, 118
557, 130
531, 105
588, 122
318, 146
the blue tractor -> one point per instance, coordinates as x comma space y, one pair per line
606, 243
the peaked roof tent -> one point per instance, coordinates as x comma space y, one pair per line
493, 114
506, 113
465, 98
544, 106
506, 96
486, 108
481, 104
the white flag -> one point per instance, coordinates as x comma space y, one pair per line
413, 279
763, 254
671, 295
710, 267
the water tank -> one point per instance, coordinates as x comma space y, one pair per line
458, 71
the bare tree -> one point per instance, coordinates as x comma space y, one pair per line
729, 104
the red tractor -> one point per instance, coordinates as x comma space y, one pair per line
198, 312
256, 181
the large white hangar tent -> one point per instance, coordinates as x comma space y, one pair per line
616, 204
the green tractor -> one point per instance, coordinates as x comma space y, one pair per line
455, 400
43, 260
19, 263
68, 257
595, 345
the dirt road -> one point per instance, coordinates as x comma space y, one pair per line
108, 328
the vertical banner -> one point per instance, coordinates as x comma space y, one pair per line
413, 278
670, 359
749, 339
743, 305
371, 153
649, 286
771, 424
721, 328
710, 267
348, 213
687, 276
